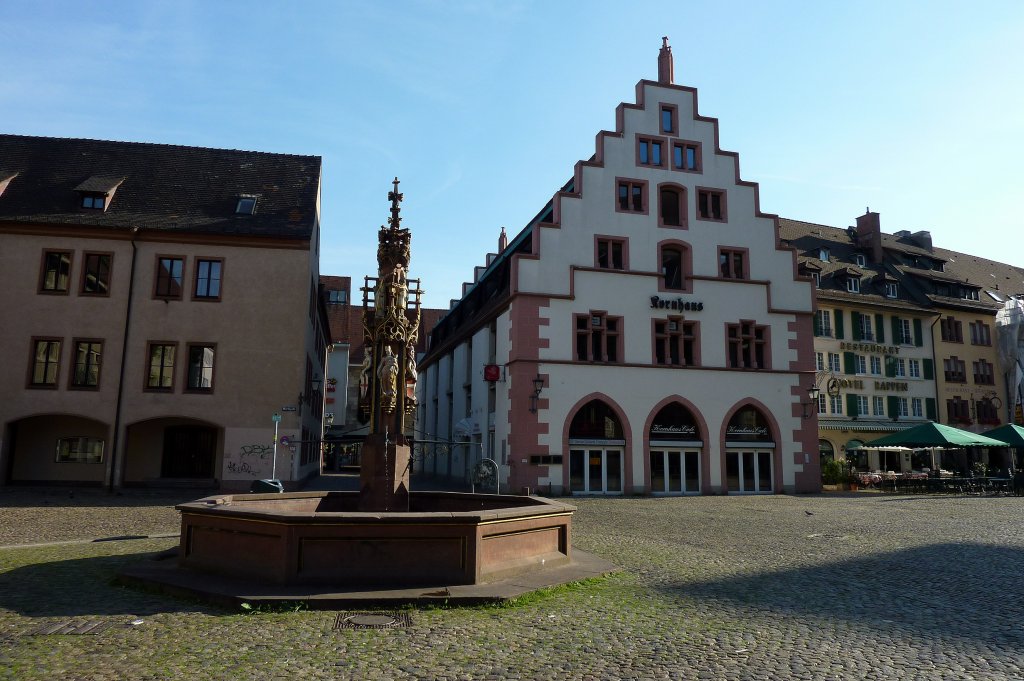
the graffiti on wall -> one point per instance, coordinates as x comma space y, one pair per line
254, 459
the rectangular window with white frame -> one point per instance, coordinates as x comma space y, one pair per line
906, 334
901, 402
915, 368
853, 285
819, 361
824, 323
865, 328
876, 365
836, 404
901, 367
917, 406
862, 405
822, 403
892, 290
835, 363
879, 406
861, 367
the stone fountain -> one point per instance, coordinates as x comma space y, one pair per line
385, 535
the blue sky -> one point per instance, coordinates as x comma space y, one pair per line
914, 109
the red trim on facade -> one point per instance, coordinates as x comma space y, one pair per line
523, 366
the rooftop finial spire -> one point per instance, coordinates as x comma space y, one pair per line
395, 198
665, 67
502, 241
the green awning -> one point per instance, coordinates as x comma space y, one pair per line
935, 435
1011, 434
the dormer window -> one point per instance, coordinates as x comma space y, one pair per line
97, 192
246, 205
858, 259
5, 179
94, 201
969, 294
853, 285
823, 254
892, 289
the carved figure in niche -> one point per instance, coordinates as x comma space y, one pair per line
399, 290
364, 372
410, 366
387, 374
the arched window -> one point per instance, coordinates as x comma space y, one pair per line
671, 206
672, 267
826, 451
596, 451
596, 420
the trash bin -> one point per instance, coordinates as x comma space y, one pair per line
266, 486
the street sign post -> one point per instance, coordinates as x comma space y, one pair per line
273, 470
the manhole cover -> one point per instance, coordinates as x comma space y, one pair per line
371, 620
72, 627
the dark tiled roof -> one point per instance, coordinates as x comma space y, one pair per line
917, 284
165, 187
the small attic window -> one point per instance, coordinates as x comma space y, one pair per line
94, 201
858, 259
823, 254
246, 205
97, 191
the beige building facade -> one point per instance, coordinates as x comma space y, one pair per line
151, 340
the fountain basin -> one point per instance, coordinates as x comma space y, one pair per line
446, 538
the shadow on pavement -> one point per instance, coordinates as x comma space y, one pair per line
962, 590
53, 497
83, 587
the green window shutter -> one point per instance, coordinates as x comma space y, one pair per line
918, 335
894, 406
890, 366
817, 324
848, 363
879, 328
839, 324
895, 330
855, 325
929, 371
851, 405
929, 408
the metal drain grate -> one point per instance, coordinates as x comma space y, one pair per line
71, 627
372, 620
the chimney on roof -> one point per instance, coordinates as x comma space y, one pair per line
665, 74
923, 239
502, 241
869, 234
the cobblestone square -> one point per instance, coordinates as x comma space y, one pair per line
855, 586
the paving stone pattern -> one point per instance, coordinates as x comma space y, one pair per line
864, 586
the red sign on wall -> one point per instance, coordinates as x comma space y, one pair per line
492, 372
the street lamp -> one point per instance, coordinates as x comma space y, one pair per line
538, 385
813, 392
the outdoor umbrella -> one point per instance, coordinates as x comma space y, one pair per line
934, 435
1011, 434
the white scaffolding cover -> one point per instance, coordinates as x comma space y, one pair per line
1010, 337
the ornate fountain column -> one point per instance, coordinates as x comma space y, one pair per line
391, 323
